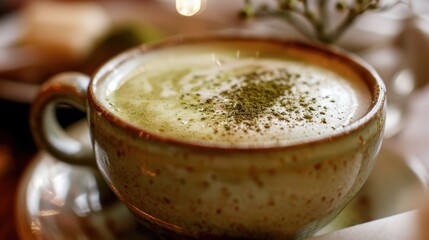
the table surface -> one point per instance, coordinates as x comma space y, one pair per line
16, 150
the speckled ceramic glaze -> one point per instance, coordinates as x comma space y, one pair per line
183, 190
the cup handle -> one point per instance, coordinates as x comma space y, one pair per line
68, 88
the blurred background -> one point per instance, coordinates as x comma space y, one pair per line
41, 38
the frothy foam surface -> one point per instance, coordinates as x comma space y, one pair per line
237, 94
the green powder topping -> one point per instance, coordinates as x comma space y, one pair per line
254, 99
255, 96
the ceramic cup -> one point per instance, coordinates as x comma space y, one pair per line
186, 190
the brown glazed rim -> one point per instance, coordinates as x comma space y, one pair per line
373, 80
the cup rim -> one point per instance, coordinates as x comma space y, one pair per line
358, 65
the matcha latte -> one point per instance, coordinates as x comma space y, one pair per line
223, 137
237, 93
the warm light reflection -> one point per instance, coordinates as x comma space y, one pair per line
81, 206
216, 60
188, 7
147, 171
36, 226
46, 213
57, 201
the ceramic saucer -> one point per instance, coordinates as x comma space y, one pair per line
60, 201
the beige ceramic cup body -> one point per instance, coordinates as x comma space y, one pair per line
183, 190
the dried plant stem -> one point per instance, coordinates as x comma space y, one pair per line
301, 14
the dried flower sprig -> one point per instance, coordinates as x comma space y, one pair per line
315, 13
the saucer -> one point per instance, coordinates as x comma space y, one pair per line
60, 201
